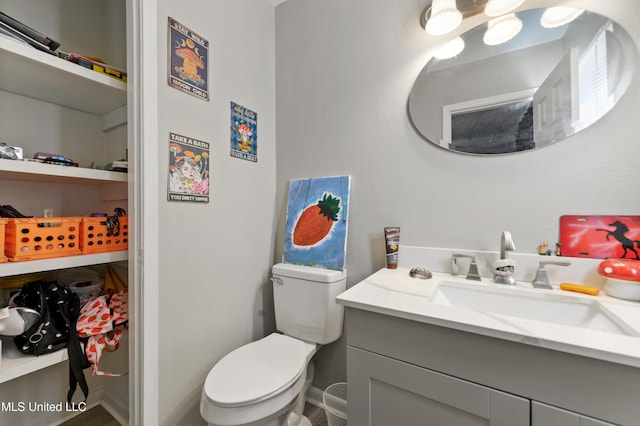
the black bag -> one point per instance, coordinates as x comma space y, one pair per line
58, 307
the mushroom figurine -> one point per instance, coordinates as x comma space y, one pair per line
623, 278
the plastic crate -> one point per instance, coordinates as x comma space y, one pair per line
95, 238
3, 223
42, 238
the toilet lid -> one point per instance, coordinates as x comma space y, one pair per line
256, 371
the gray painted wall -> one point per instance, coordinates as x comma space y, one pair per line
344, 72
215, 258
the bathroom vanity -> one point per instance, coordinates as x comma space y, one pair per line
414, 359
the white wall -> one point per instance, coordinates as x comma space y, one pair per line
344, 73
214, 259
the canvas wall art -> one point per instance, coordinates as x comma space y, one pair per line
316, 224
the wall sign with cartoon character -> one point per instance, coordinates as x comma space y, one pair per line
188, 60
188, 169
244, 133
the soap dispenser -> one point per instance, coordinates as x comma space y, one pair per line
455, 269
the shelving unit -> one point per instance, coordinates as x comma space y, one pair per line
43, 265
15, 364
31, 171
30, 73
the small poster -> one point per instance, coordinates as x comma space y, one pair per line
244, 133
188, 60
316, 224
188, 169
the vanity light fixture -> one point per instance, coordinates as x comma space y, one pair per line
445, 17
450, 49
558, 16
502, 29
501, 7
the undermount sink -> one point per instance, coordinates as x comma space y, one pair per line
530, 304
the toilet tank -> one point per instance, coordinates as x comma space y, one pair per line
304, 300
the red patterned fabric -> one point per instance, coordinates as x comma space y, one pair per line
102, 320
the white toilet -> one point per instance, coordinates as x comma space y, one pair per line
264, 382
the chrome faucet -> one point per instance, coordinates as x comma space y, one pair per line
506, 244
541, 279
473, 267
503, 268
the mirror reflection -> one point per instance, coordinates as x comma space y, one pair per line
538, 88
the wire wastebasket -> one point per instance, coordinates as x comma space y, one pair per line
334, 399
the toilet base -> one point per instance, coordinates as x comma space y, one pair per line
296, 417
304, 421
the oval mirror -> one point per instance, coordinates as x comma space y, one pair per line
540, 87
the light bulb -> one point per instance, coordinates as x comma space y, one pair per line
501, 7
502, 29
450, 49
558, 16
445, 17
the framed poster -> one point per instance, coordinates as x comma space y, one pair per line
244, 133
188, 169
188, 61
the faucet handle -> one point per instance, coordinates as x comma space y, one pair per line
541, 280
473, 266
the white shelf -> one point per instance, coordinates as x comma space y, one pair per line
29, 170
15, 364
29, 72
31, 266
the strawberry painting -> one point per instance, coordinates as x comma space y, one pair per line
316, 225
316, 221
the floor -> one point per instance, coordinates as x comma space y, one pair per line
98, 416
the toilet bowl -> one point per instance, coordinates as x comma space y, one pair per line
257, 382
264, 383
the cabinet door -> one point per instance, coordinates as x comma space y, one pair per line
384, 391
546, 415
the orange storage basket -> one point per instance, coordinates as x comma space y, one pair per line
3, 222
94, 236
42, 238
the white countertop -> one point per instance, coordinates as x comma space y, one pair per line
395, 293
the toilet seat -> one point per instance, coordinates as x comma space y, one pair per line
257, 371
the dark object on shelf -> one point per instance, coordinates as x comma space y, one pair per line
9, 211
97, 66
27, 34
58, 308
45, 157
118, 166
121, 166
113, 226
